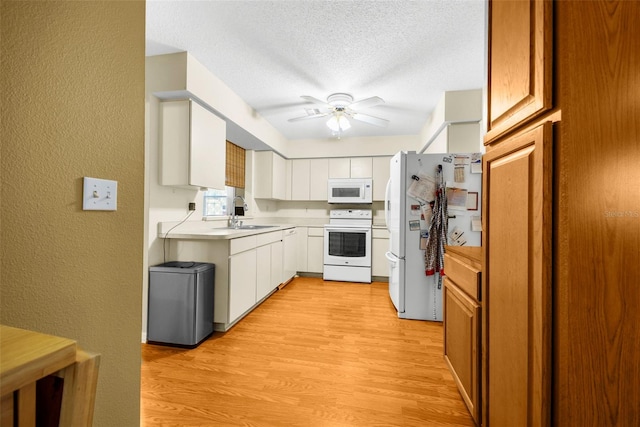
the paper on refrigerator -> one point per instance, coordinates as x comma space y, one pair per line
422, 187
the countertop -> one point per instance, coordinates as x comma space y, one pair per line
217, 230
472, 253
212, 231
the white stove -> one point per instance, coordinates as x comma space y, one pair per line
347, 246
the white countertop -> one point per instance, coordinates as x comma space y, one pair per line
218, 229
207, 230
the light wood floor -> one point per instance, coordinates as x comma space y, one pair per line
314, 354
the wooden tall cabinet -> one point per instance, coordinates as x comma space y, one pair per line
517, 271
561, 215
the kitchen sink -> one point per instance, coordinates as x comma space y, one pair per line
249, 227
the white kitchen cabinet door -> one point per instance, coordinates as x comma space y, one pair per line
301, 248
361, 167
193, 146
288, 179
354, 167
380, 177
379, 247
300, 179
340, 167
242, 283
270, 180
319, 173
315, 250
277, 259
289, 252
279, 177
263, 272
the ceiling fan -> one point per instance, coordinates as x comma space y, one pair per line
340, 107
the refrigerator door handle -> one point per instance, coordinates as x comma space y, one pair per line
387, 203
391, 258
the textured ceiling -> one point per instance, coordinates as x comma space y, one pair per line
272, 52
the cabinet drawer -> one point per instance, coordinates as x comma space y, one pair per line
316, 231
288, 232
380, 233
266, 238
241, 244
465, 276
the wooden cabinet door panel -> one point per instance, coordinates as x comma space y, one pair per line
520, 45
462, 343
517, 282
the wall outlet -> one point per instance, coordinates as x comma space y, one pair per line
192, 206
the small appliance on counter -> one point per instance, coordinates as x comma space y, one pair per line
347, 246
180, 310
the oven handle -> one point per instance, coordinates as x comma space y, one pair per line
354, 229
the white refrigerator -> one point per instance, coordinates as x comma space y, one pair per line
415, 294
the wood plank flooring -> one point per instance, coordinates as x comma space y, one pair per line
314, 354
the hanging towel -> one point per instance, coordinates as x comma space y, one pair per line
437, 239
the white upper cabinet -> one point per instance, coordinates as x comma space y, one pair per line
380, 177
300, 179
270, 176
193, 145
361, 167
309, 179
355, 167
318, 175
340, 167
306, 179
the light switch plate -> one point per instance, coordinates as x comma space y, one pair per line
99, 194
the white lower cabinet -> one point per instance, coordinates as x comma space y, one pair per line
263, 272
301, 248
242, 283
315, 250
290, 261
247, 269
277, 259
379, 247
269, 263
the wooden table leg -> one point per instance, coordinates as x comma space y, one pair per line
80, 382
26, 405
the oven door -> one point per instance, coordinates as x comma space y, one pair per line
347, 245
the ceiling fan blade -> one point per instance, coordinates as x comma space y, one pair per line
366, 103
376, 121
316, 101
312, 116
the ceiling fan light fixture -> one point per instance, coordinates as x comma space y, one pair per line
338, 123
339, 99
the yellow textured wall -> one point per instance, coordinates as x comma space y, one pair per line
72, 105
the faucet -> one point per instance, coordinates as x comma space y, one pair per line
233, 221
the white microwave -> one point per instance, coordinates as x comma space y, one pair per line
350, 190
